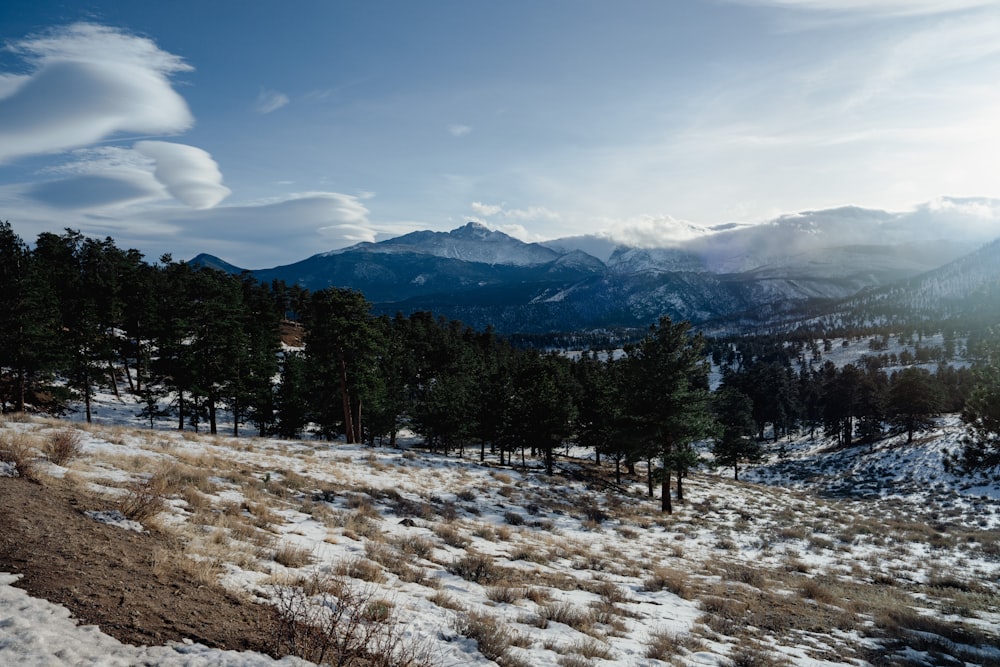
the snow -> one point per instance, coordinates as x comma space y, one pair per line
810, 507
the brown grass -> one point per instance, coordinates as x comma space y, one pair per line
63, 446
18, 449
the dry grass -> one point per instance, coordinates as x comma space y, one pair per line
18, 449
670, 579
292, 556
360, 568
142, 500
63, 446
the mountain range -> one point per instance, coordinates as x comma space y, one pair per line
487, 278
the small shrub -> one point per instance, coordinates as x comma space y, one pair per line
753, 656
589, 647
142, 501
451, 536
17, 451
63, 446
567, 614
668, 579
330, 621
476, 567
361, 568
491, 636
504, 594
663, 645
513, 518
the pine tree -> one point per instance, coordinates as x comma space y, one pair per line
667, 388
734, 443
340, 345
29, 323
913, 400
982, 411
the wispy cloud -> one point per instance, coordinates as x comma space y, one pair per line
536, 213
459, 130
269, 101
86, 83
874, 7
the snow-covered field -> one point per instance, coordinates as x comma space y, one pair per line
859, 556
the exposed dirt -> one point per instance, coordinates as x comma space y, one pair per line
110, 577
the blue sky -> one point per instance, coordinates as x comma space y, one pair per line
264, 132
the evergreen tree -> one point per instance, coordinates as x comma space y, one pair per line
913, 400
982, 411
340, 346
667, 389
291, 400
734, 443
29, 323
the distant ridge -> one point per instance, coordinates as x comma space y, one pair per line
485, 277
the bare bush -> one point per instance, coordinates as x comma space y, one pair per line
63, 446
493, 637
477, 567
16, 450
330, 621
567, 614
142, 501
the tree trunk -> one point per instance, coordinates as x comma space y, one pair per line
346, 401
180, 409
680, 485
22, 383
114, 379
665, 504
211, 415
86, 400
649, 477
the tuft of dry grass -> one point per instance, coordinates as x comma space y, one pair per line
142, 500
451, 535
670, 579
361, 568
292, 556
477, 567
63, 446
493, 637
18, 450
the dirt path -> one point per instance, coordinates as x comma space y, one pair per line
107, 576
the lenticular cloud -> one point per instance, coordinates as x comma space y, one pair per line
88, 83
189, 174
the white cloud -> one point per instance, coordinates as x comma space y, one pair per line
876, 7
88, 82
651, 231
269, 101
532, 213
459, 130
486, 209
189, 174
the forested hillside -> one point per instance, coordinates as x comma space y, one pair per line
81, 314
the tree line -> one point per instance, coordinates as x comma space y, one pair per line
190, 342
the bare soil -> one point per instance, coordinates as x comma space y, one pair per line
109, 577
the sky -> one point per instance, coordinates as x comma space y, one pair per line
265, 132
